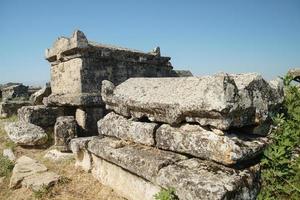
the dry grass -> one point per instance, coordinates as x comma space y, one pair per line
75, 184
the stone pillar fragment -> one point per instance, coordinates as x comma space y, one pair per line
65, 129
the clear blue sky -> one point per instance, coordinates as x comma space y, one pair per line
204, 36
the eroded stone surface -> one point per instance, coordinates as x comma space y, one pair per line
82, 156
295, 74
141, 160
31, 174
9, 154
40, 115
227, 149
198, 179
65, 129
18, 91
58, 156
117, 126
123, 182
25, 133
222, 100
37, 97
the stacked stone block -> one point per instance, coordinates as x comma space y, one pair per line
192, 134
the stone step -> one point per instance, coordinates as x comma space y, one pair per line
221, 101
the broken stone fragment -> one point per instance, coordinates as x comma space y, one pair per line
58, 156
117, 126
221, 101
12, 92
194, 140
26, 134
198, 179
40, 115
37, 97
140, 160
65, 129
9, 154
295, 74
31, 174
82, 156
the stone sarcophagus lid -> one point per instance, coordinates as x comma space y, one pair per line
78, 67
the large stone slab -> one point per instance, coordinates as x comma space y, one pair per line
123, 182
25, 133
30, 173
40, 115
227, 149
221, 101
197, 179
10, 108
117, 126
65, 130
140, 160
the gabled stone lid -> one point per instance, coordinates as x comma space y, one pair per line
78, 41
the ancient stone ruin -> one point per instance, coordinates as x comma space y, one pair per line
139, 126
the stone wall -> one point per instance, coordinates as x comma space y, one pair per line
199, 135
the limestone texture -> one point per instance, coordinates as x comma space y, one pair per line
123, 182
65, 130
25, 133
194, 140
40, 115
9, 154
117, 126
18, 91
58, 156
222, 101
141, 160
197, 179
31, 174
295, 74
37, 97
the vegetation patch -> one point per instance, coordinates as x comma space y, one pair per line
281, 160
6, 166
166, 194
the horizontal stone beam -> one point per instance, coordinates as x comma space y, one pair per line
117, 126
228, 149
221, 101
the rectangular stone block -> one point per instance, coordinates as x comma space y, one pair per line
117, 126
65, 129
40, 115
140, 160
123, 182
222, 101
87, 119
199, 179
228, 149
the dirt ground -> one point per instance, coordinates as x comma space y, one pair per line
75, 185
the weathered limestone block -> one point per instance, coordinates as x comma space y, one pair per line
117, 126
140, 160
10, 108
87, 119
82, 156
197, 179
25, 133
37, 97
221, 101
31, 174
9, 154
227, 149
295, 74
40, 115
15, 92
123, 182
58, 156
65, 130
78, 67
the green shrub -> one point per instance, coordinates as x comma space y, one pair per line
166, 194
280, 163
41, 193
6, 166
